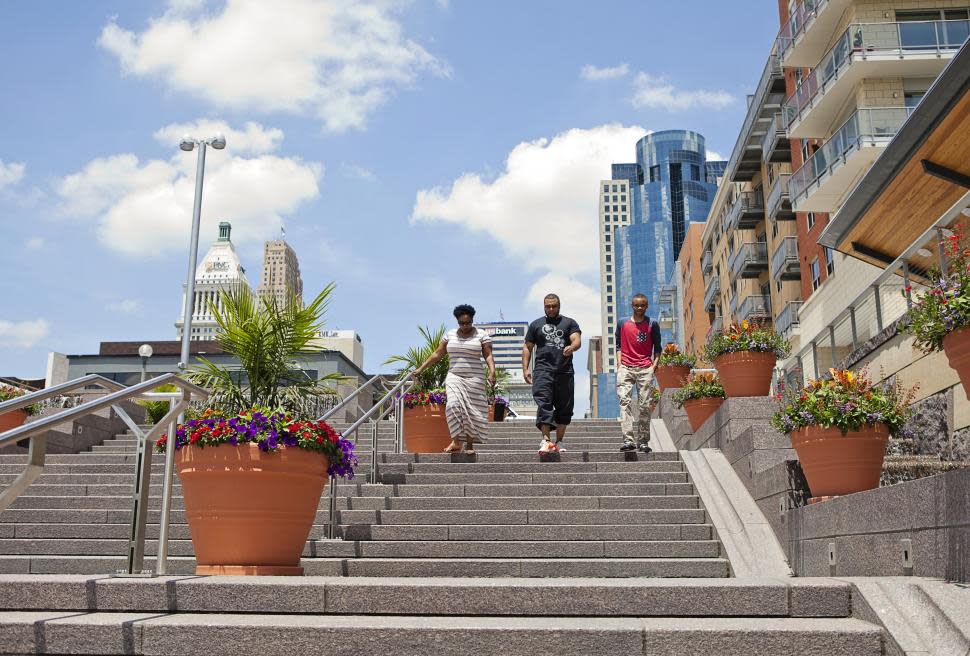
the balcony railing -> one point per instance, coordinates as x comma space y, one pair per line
779, 202
784, 261
745, 212
800, 19
861, 41
787, 319
755, 307
734, 303
873, 126
717, 325
750, 260
711, 291
775, 146
666, 294
707, 262
770, 84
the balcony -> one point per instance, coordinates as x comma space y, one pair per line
717, 325
824, 181
764, 103
775, 145
779, 202
865, 51
707, 262
747, 210
750, 260
711, 292
784, 261
734, 304
755, 307
666, 294
666, 320
787, 319
802, 41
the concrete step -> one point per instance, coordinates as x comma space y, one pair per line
533, 532
442, 636
516, 503
521, 517
526, 549
529, 467
596, 478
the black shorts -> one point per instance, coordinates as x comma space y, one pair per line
554, 394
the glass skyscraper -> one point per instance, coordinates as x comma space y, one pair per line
670, 185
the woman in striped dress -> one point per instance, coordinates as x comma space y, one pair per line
467, 406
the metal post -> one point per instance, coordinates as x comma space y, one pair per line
136, 537
941, 251
193, 256
875, 289
835, 362
815, 358
855, 335
161, 565
906, 286
399, 425
332, 525
373, 453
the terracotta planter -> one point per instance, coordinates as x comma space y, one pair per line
11, 419
700, 410
745, 373
496, 412
250, 512
671, 376
426, 429
837, 464
956, 345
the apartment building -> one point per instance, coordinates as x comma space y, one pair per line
694, 317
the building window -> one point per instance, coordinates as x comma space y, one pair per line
606, 188
609, 278
810, 220
610, 341
615, 197
805, 151
609, 267
623, 208
816, 275
778, 285
614, 189
655, 173
774, 229
912, 98
607, 235
609, 288
609, 299
616, 208
695, 172
829, 261
623, 198
611, 362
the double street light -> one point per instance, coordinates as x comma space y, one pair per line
188, 144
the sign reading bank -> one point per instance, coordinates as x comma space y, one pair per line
504, 331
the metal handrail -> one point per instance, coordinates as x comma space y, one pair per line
347, 399
56, 390
37, 450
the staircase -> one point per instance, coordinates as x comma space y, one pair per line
603, 552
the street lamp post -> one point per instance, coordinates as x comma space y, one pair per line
188, 144
145, 351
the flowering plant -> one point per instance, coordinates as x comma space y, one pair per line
699, 385
672, 356
415, 399
8, 392
271, 431
654, 398
848, 402
499, 400
746, 336
946, 305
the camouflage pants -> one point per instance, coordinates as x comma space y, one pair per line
635, 414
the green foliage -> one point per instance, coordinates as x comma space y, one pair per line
848, 402
945, 306
699, 385
501, 386
432, 378
746, 337
672, 356
8, 392
155, 410
271, 340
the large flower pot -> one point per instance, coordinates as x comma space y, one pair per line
837, 464
11, 419
426, 429
250, 512
745, 373
956, 345
496, 412
700, 410
671, 376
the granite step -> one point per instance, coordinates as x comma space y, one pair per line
521, 517
533, 532
596, 478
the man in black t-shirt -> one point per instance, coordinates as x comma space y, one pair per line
554, 338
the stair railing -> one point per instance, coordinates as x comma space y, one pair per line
36, 432
393, 400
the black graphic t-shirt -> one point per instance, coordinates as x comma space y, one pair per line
551, 336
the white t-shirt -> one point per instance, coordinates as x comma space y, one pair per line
465, 353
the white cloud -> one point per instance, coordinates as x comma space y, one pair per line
23, 334
144, 208
34, 244
358, 172
11, 174
714, 156
126, 306
659, 93
542, 208
578, 300
335, 59
594, 74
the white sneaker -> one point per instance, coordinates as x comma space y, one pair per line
546, 446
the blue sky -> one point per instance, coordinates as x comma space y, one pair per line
420, 154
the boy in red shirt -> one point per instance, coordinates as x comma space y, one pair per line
638, 340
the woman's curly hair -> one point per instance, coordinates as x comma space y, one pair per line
464, 308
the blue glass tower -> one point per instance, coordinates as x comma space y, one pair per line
671, 185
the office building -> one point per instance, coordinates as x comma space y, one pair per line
281, 272
508, 338
347, 342
694, 318
594, 365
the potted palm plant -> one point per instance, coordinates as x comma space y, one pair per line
673, 366
254, 464
840, 428
497, 403
939, 318
744, 356
700, 396
13, 418
425, 424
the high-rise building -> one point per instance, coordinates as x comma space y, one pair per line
347, 342
644, 211
594, 365
694, 317
281, 272
220, 270
508, 338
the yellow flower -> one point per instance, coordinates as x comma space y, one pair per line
744, 324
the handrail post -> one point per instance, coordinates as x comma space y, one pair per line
143, 472
161, 565
399, 425
373, 455
332, 525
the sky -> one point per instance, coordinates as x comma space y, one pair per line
419, 154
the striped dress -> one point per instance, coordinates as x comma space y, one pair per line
467, 407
